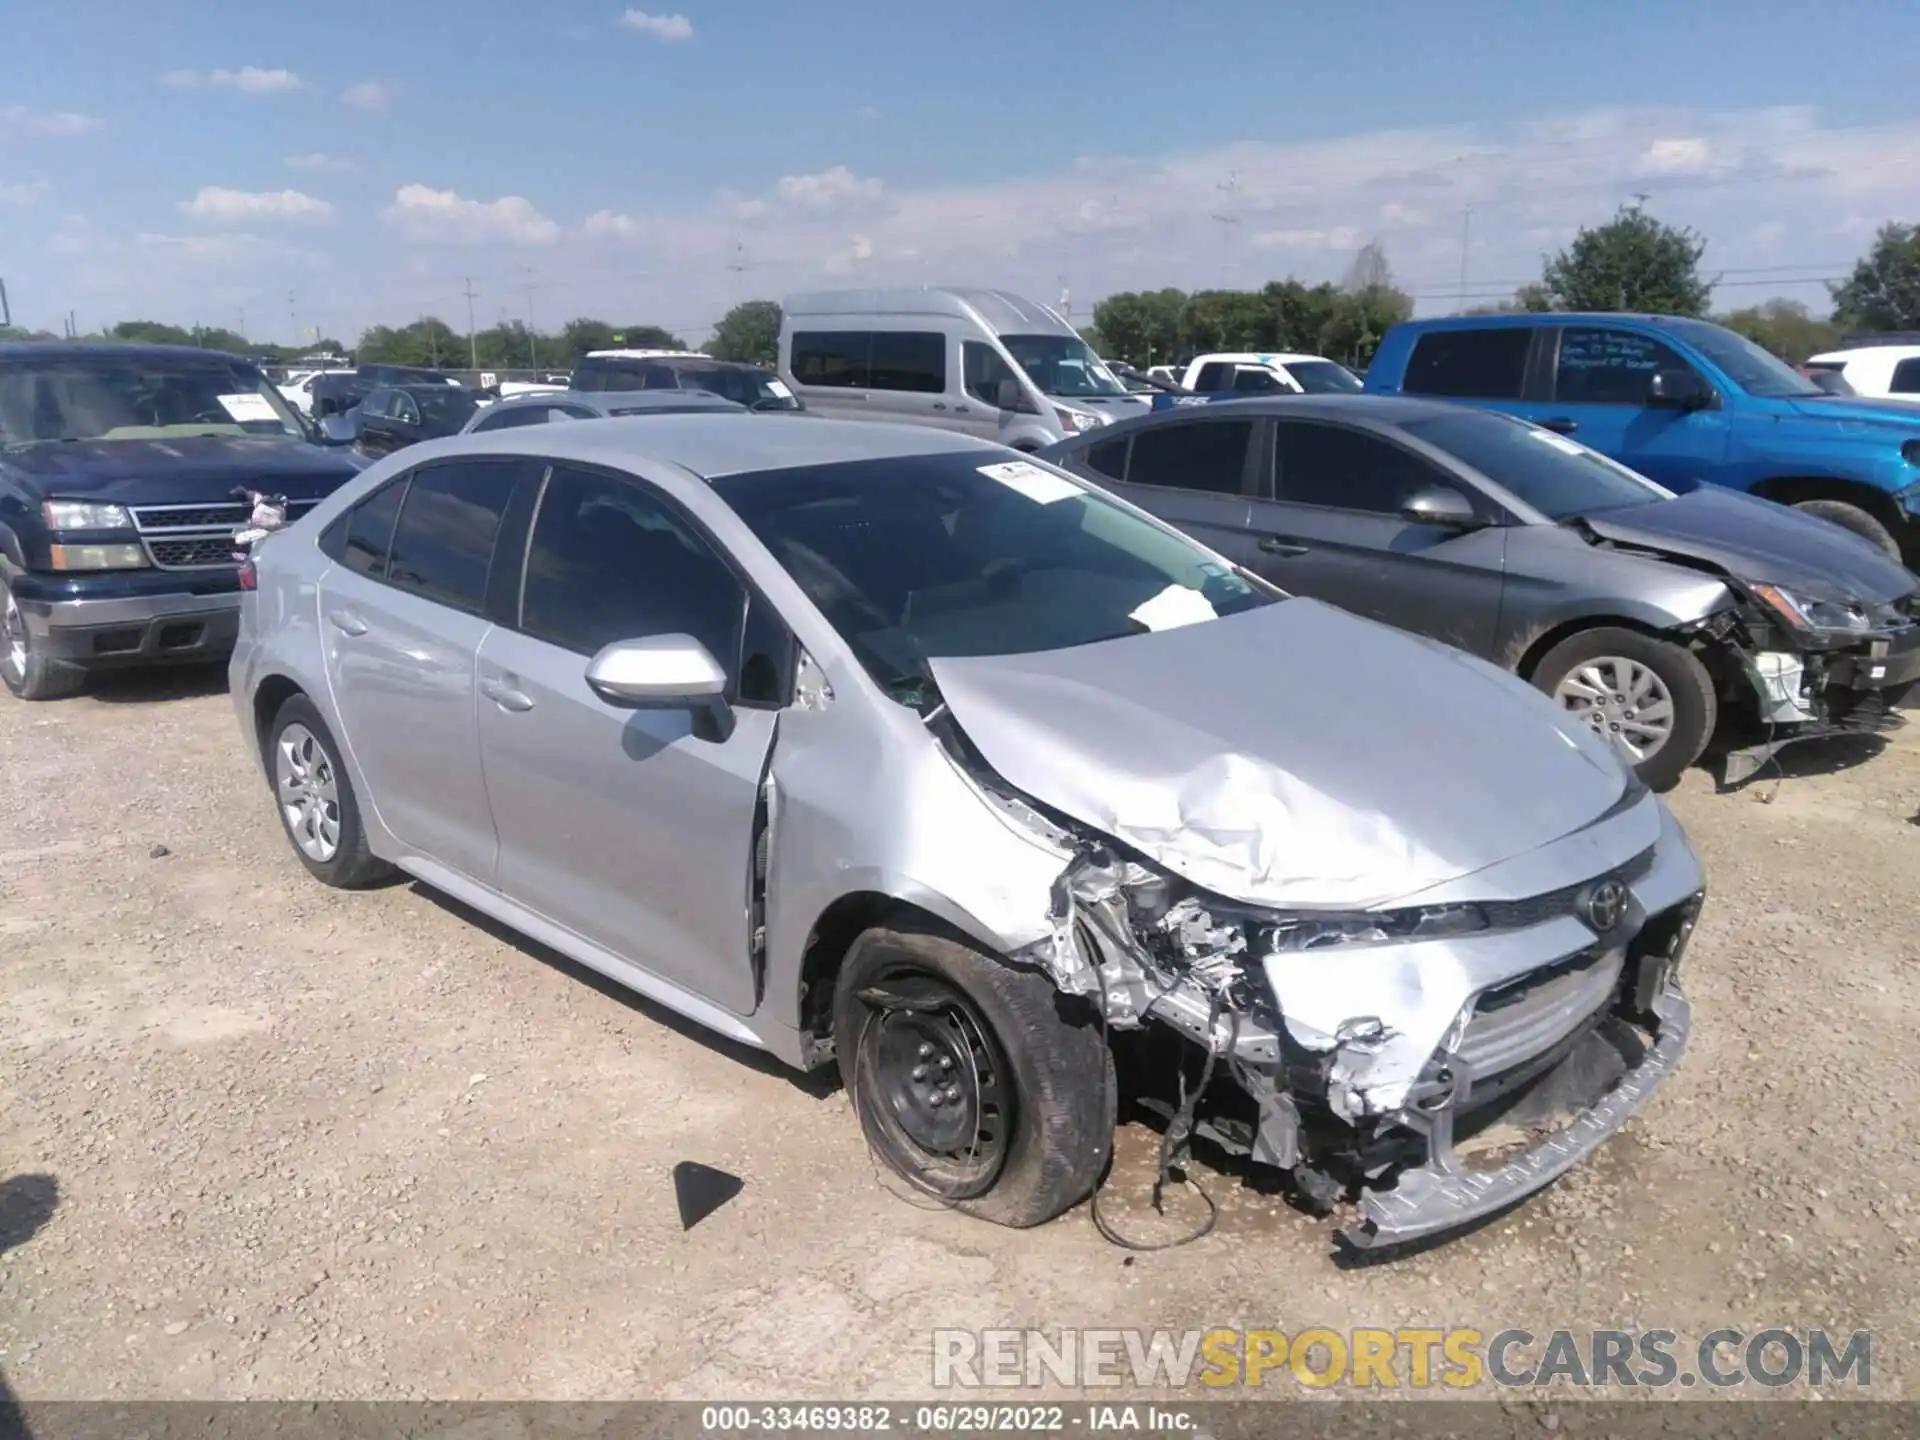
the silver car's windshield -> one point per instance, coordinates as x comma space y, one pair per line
139, 397
965, 554
1547, 471
1062, 365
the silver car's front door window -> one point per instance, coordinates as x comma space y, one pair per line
632, 828
401, 621
1330, 527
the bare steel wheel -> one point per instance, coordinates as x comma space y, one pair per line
1652, 700
976, 1081
309, 792
934, 1086
1623, 700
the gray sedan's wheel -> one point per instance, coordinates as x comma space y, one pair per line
316, 800
1651, 700
23, 670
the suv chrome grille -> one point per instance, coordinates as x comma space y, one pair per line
197, 537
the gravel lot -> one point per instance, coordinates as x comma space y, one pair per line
303, 1144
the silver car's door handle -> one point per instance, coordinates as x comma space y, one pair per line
347, 622
1282, 545
506, 697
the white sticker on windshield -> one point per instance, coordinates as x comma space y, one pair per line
779, 388
248, 407
1558, 442
1173, 607
1042, 486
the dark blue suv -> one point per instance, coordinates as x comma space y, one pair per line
1684, 402
118, 467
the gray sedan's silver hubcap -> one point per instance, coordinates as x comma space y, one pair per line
1624, 702
15, 628
309, 793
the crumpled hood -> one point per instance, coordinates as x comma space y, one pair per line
190, 470
1757, 540
1290, 755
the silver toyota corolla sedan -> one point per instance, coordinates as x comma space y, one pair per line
891, 747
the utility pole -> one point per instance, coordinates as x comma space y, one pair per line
473, 343
533, 345
242, 331
1230, 216
1466, 239
6, 310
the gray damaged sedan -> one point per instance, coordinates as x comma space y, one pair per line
1661, 620
890, 747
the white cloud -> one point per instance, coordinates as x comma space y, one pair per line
326, 164
1340, 237
370, 94
19, 120
835, 189
23, 195
226, 207
868, 113
248, 79
661, 27
1686, 155
423, 213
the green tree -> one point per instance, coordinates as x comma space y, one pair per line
647, 337
1633, 262
428, 341
1785, 328
1883, 293
1141, 328
577, 337
750, 331
511, 346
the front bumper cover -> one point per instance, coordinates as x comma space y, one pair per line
1443, 1194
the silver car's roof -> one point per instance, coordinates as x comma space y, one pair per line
714, 445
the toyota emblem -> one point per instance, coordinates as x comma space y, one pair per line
1606, 905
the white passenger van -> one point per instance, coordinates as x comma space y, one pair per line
982, 362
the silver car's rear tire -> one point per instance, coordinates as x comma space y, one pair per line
1651, 700
315, 801
977, 1083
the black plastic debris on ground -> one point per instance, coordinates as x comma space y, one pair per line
699, 1190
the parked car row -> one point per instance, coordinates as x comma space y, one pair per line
1318, 731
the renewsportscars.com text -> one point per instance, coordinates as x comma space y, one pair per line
1411, 1358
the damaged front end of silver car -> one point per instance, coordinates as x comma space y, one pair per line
1434, 985
1421, 1059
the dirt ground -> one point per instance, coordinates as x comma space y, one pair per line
260, 1139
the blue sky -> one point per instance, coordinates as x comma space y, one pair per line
199, 160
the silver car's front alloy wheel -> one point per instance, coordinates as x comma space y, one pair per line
309, 791
1624, 702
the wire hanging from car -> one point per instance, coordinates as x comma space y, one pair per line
1175, 1150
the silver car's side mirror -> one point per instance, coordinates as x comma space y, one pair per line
660, 671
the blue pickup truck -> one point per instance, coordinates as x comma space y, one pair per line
1684, 402
118, 471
